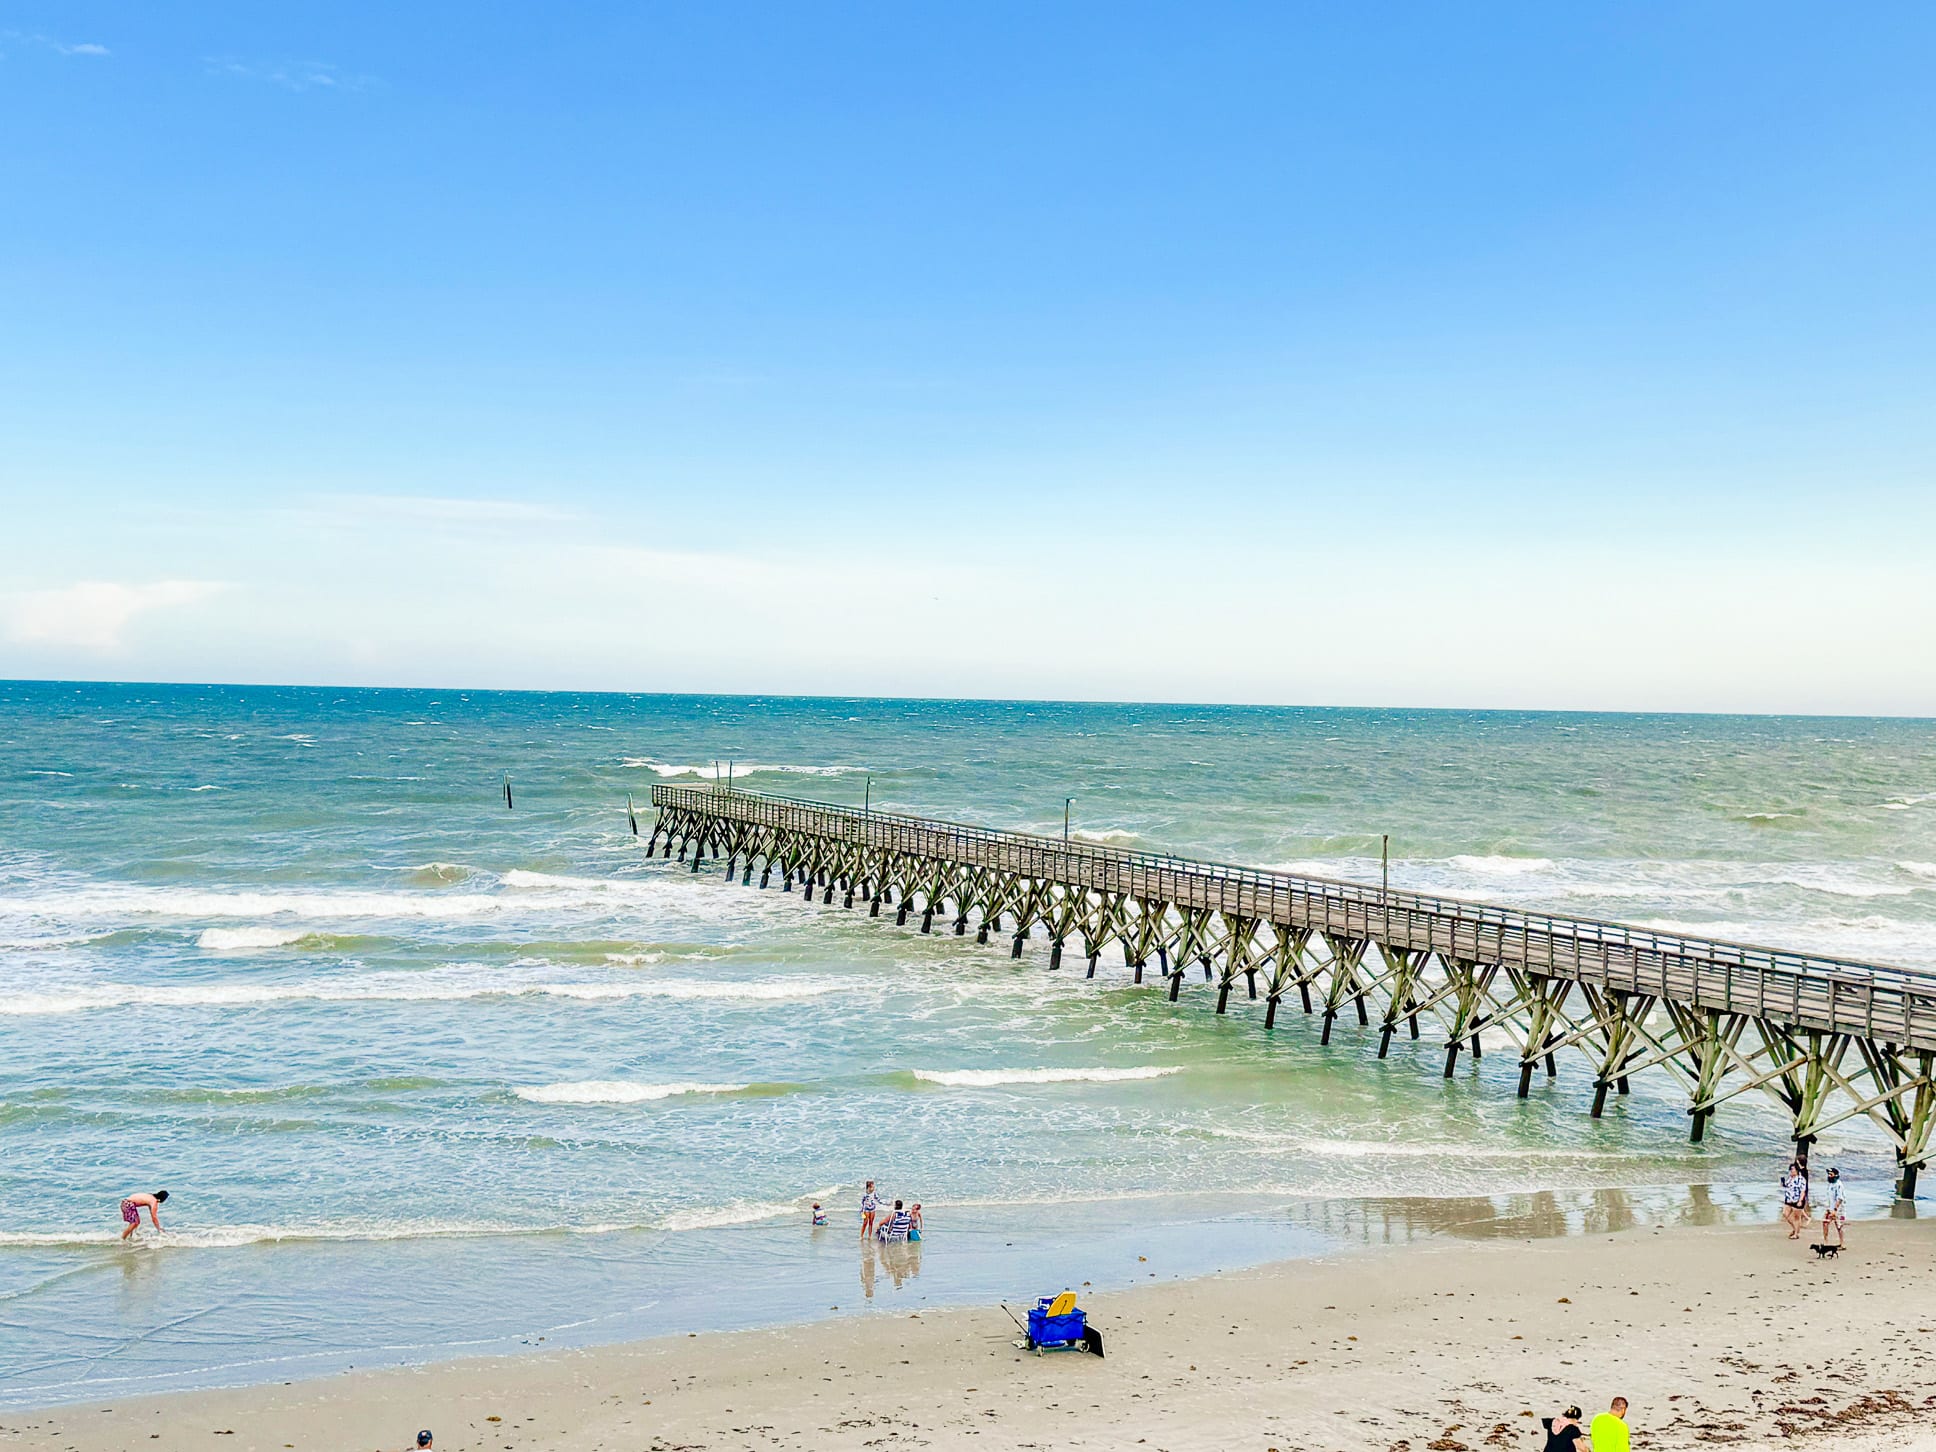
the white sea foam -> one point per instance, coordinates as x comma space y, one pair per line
551, 881
1358, 1149
118, 901
210, 788
248, 939
526, 891
708, 772
618, 1091
1497, 866
229, 1237
1312, 867
1107, 836
243, 940
1836, 883
983, 1078
404, 988
745, 1212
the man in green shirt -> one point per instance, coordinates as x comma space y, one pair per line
1609, 1429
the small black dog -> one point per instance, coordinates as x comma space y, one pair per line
1826, 1252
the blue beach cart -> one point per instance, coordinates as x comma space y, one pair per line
1055, 1323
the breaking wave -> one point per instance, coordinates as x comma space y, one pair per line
403, 988
523, 890
437, 874
1356, 1149
737, 769
233, 1237
243, 940
1107, 836
1496, 866
619, 1091
983, 1078
749, 1212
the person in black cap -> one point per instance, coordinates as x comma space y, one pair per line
423, 1439
1835, 1212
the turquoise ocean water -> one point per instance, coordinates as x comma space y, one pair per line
426, 1076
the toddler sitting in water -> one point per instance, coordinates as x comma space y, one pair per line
819, 1216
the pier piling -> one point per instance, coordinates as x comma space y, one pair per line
1826, 1040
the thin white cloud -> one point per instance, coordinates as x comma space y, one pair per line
290, 75
53, 43
94, 615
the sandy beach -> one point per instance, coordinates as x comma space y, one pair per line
1718, 1336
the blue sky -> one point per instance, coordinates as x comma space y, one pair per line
1534, 355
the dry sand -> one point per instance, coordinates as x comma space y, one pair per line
1719, 1336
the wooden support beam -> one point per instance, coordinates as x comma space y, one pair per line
1832, 1041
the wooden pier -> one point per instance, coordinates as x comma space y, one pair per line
1827, 1039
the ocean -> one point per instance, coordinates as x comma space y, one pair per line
427, 1076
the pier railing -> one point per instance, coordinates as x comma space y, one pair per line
1876, 1002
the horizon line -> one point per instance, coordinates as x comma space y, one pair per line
6, 681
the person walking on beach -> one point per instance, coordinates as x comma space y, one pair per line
1794, 1199
1609, 1429
1565, 1434
132, 1207
870, 1204
1835, 1213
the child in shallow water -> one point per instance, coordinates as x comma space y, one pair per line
819, 1216
132, 1207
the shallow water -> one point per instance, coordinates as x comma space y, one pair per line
425, 1075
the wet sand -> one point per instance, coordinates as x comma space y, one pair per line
1719, 1336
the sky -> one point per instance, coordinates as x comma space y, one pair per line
1519, 355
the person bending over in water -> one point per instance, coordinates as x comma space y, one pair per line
132, 1207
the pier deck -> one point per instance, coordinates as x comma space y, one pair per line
1828, 1039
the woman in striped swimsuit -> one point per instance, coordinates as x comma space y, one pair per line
895, 1227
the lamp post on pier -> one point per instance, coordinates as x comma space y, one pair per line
1384, 879
1065, 817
